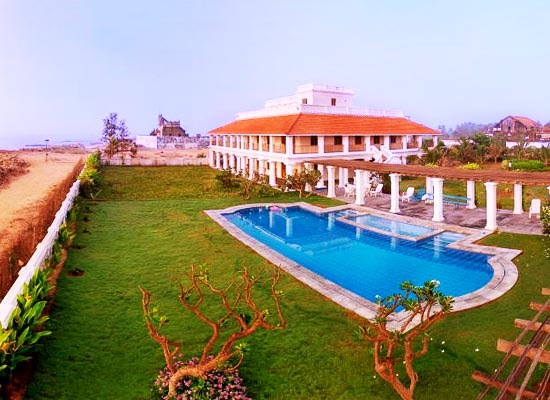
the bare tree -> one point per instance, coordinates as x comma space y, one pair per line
235, 298
423, 306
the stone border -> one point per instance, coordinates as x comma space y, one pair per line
504, 277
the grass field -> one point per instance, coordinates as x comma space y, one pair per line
149, 227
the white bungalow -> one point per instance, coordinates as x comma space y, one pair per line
318, 123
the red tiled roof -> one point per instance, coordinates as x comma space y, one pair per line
319, 124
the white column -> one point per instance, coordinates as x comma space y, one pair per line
290, 168
346, 175
321, 182
341, 177
211, 158
518, 198
429, 185
232, 165
260, 143
218, 160
321, 144
261, 166
272, 173
471, 194
331, 192
308, 167
394, 179
359, 188
345, 142
271, 143
225, 161
491, 189
289, 146
437, 185
250, 143
251, 162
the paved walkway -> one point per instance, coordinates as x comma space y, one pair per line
454, 215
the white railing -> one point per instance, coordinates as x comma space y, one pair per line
316, 109
42, 252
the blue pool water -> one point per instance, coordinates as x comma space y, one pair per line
390, 226
367, 263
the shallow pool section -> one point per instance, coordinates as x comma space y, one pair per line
392, 227
362, 261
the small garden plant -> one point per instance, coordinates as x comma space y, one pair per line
240, 314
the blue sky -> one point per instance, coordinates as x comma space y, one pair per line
66, 64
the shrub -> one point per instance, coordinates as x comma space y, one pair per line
527, 165
221, 383
22, 334
227, 180
470, 166
90, 177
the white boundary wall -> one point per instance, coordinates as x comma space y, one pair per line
42, 252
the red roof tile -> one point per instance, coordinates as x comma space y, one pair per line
319, 124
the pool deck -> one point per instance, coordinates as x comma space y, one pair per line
454, 215
504, 277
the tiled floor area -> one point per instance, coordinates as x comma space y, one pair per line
454, 215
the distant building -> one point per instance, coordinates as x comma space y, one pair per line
168, 128
168, 134
318, 122
513, 125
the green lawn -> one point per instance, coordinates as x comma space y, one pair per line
148, 228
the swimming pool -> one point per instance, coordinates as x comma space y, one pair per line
362, 261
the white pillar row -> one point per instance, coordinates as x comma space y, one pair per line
308, 167
471, 194
518, 198
341, 178
394, 179
359, 188
429, 185
321, 182
225, 161
491, 188
251, 169
218, 160
437, 186
331, 191
272, 173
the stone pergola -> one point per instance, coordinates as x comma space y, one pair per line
435, 176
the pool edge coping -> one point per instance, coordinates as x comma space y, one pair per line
505, 272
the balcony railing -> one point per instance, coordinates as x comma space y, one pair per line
279, 148
305, 149
333, 148
356, 147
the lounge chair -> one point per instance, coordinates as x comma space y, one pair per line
377, 190
408, 194
349, 190
535, 207
418, 195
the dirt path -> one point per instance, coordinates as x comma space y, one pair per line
20, 195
